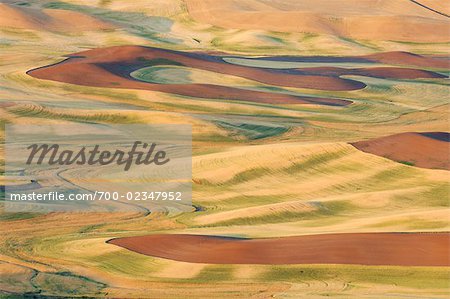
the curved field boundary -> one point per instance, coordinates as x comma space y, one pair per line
403, 249
390, 58
111, 67
374, 72
427, 149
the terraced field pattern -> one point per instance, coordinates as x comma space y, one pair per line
320, 141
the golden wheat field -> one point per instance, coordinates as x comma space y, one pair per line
320, 146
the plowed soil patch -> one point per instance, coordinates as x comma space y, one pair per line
406, 249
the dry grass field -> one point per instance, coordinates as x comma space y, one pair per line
310, 119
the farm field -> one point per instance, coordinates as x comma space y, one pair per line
320, 146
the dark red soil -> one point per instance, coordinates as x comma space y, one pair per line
411, 59
111, 67
403, 249
375, 72
427, 150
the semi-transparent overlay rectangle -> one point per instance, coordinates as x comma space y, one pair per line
158, 177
